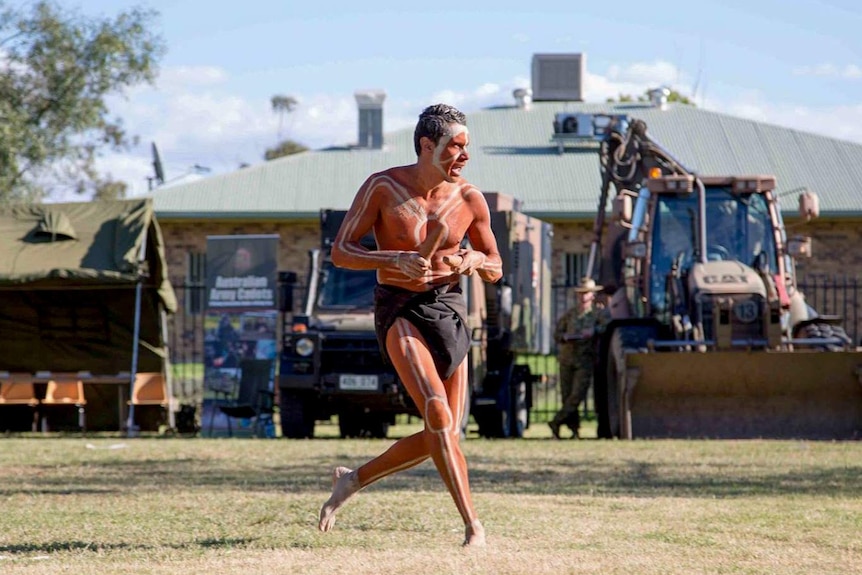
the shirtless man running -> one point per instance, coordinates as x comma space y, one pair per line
419, 214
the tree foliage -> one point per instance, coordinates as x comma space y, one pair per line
285, 148
673, 96
57, 67
282, 105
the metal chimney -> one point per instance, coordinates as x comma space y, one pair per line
523, 98
370, 104
658, 97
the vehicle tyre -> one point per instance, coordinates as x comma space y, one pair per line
352, 423
375, 427
491, 410
615, 369
624, 337
518, 412
297, 416
600, 391
822, 330
465, 417
491, 421
828, 331
349, 424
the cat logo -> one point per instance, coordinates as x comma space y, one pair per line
725, 279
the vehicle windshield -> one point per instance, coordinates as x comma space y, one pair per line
738, 228
343, 288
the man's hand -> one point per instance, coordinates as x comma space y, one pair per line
412, 264
465, 262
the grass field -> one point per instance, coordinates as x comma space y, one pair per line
106, 505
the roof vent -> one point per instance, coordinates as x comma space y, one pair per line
659, 96
558, 77
55, 226
523, 98
370, 103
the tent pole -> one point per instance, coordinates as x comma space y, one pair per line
130, 424
168, 371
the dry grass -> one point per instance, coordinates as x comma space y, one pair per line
229, 507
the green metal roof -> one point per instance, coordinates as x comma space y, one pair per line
512, 152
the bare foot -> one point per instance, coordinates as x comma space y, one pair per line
344, 485
474, 535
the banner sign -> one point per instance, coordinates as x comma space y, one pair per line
241, 319
242, 272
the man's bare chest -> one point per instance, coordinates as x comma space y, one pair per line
409, 219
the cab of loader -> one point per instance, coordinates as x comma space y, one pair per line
698, 246
709, 257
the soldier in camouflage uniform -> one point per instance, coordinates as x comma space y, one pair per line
576, 353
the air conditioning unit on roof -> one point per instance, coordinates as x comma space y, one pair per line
583, 125
582, 128
574, 125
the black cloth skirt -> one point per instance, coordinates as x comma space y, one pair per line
439, 315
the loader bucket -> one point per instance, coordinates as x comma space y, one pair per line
738, 394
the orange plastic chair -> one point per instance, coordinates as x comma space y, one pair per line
67, 392
150, 389
20, 391
150, 392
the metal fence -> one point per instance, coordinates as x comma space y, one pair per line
829, 295
835, 295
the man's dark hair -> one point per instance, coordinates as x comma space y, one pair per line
434, 123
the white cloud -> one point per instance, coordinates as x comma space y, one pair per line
487, 90
320, 120
189, 76
829, 70
487, 94
633, 80
652, 73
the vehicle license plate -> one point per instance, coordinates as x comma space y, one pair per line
358, 382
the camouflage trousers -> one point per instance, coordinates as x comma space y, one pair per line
575, 380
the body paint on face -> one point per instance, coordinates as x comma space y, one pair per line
444, 164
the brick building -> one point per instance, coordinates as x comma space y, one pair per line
514, 150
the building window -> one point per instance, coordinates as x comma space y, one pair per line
574, 267
195, 284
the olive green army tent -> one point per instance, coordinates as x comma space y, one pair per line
83, 289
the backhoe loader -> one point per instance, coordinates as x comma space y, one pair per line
711, 336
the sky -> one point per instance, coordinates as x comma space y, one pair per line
791, 63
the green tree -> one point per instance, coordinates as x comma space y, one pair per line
57, 67
674, 96
285, 148
282, 105
109, 189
